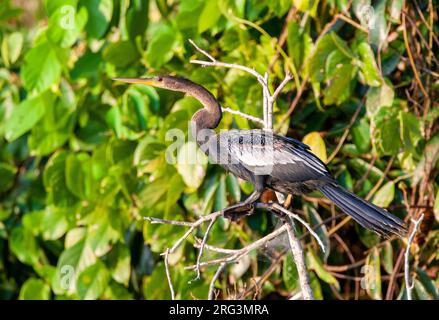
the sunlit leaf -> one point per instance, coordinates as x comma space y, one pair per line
289, 273
385, 195
92, 281
209, 16
42, 67
387, 257
26, 115
372, 278
317, 145
191, 164
34, 289
99, 16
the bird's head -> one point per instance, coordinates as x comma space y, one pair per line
165, 82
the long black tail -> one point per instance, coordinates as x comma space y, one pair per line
366, 214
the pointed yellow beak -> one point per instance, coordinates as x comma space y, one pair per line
147, 81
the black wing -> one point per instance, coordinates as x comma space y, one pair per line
265, 153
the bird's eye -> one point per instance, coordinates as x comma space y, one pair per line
159, 79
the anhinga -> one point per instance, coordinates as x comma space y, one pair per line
271, 161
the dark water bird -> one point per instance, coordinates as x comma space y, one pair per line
270, 161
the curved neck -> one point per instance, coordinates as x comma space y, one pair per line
210, 116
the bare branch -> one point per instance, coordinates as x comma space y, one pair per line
244, 115
168, 274
409, 285
237, 254
215, 277
281, 86
202, 51
203, 243
278, 207
299, 258
268, 98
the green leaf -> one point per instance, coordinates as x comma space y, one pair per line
24, 245
315, 286
209, 16
34, 289
101, 237
386, 132
115, 291
321, 231
220, 196
121, 54
410, 131
42, 67
160, 48
436, 206
7, 174
174, 191
385, 195
368, 65
298, 43
155, 286
428, 283
372, 278
52, 6
26, 115
54, 180
289, 273
316, 264
191, 165
99, 16
421, 291
71, 263
369, 238
395, 10
92, 281
12, 45
119, 263
78, 175
66, 24
54, 223
189, 12
233, 187
56, 125
378, 97
317, 145
135, 22
387, 257
378, 34
317, 60
361, 135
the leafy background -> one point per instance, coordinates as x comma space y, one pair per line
82, 158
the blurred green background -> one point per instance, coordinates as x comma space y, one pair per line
82, 158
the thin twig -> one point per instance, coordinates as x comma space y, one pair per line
215, 277
412, 61
296, 217
203, 243
243, 115
168, 274
408, 283
299, 259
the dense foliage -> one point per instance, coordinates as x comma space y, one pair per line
82, 158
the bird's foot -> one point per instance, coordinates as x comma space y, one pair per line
235, 213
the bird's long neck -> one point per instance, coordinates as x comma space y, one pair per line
210, 115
